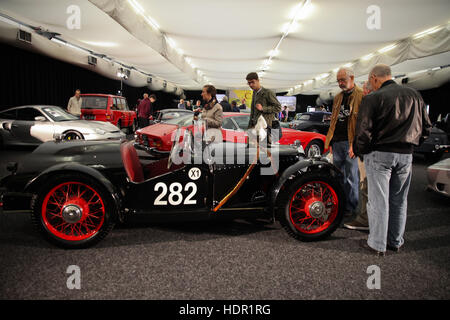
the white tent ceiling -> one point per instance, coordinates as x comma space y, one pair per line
224, 40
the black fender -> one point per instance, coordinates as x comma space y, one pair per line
34, 183
297, 169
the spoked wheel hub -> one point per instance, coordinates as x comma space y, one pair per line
73, 211
317, 210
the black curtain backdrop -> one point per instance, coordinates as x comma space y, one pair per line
438, 99
31, 78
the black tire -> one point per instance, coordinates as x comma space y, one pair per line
50, 205
314, 147
326, 220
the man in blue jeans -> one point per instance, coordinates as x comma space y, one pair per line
341, 132
391, 121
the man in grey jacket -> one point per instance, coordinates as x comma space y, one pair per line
391, 121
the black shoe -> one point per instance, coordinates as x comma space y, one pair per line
363, 244
395, 249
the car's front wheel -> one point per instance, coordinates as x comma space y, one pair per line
72, 135
73, 211
314, 149
312, 206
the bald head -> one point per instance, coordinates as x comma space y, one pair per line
378, 75
381, 70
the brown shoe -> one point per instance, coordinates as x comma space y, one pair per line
356, 225
363, 244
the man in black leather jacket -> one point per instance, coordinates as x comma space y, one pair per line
391, 121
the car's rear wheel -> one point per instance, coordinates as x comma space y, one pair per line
72, 135
73, 211
312, 207
314, 149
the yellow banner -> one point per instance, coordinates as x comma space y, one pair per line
242, 96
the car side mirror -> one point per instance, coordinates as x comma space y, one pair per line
40, 118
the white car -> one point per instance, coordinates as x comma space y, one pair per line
438, 176
33, 125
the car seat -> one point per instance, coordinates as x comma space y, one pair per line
132, 165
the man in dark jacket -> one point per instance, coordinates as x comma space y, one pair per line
226, 107
144, 111
391, 121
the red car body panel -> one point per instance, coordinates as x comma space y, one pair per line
113, 109
160, 135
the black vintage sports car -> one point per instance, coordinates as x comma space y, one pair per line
80, 190
318, 121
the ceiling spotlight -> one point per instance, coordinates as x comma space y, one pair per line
123, 73
274, 52
387, 48
368, 57
427, 32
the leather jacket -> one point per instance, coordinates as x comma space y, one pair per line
391, 119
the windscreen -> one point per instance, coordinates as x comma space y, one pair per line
58, 114
92, 102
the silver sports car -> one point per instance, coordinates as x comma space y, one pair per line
32, 125
438, 176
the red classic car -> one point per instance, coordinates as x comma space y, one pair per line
158, 136
109, 108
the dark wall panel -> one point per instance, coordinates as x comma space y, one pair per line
31, 78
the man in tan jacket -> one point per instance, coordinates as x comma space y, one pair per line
361, 222
341, 133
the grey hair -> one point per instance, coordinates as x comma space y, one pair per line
381, 70
348, 71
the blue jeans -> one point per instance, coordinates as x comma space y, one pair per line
388, 178
350, 171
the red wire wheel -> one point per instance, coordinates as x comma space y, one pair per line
73, 211
314, 207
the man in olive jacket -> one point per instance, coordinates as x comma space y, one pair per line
264, 102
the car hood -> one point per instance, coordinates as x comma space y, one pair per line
159, 129
89, 125
292, 132
441, 165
